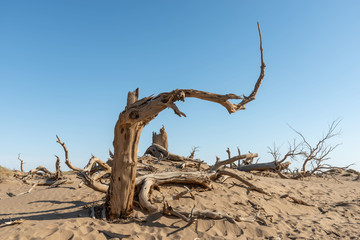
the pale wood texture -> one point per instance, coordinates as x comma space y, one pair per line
58, 173
158, 151
89, 178
21, 163
161, 138
229, 161
131, 121
263, 166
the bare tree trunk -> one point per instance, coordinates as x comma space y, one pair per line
120, 196
229, 161
58, 174
21, 163
161, 138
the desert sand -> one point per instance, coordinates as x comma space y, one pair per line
331, 210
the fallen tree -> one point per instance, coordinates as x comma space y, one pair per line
160, 152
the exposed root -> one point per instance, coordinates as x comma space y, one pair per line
296, 200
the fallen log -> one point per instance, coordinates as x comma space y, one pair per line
194, 215
263, 166
218, 164
158, 151
42, 169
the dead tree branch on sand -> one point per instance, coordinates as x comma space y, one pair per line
144, 184
89, 178
193, 151
42, 176
160, 152
229, 161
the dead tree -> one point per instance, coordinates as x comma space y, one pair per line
161, 138
21, 163
96, 169
313, 157
137, 114
193, 151
263, 166
42, 176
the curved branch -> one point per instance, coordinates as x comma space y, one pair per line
147, 108
67, 161
85, 173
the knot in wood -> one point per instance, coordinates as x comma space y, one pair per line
180, 96
134, 115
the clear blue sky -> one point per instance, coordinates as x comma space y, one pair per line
66, 68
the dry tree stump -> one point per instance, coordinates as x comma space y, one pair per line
161, 138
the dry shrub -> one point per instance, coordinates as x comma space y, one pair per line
4, 173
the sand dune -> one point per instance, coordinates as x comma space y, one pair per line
61, 213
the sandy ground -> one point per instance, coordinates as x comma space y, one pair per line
61, 213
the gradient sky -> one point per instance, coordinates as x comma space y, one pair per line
66, 68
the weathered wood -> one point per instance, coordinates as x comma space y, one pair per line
161, 138
168, 210
10, 194
158, 151
67, 161
15, 222
262, 166
193, 151
219, 163
231, 165
21, 163
131, 121
58, 173
48, 182
296, 200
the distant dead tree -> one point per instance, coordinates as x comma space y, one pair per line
21, 163
312, 157
193, 151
